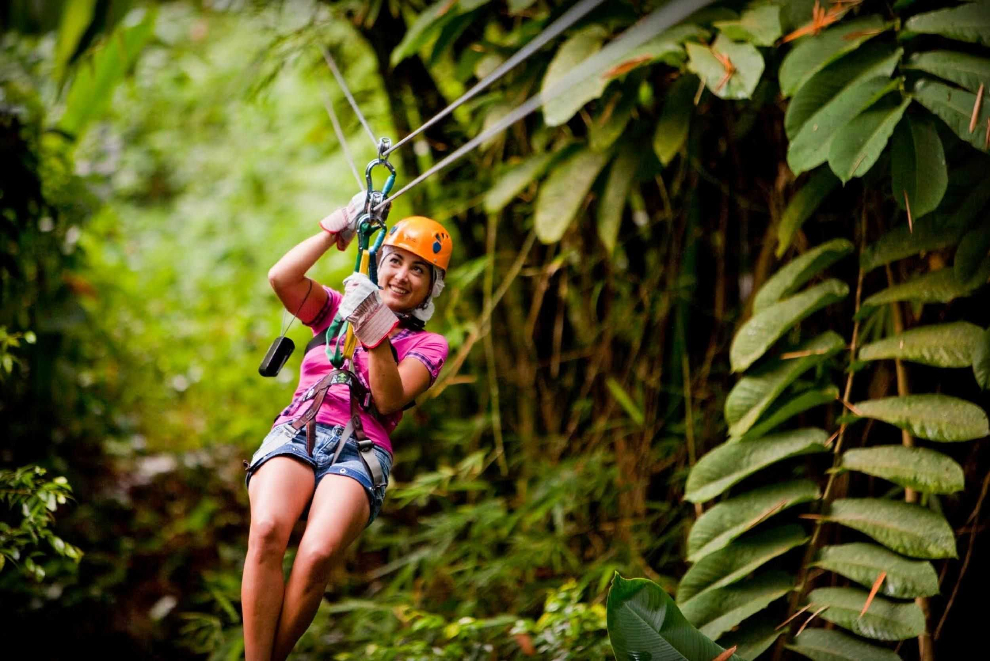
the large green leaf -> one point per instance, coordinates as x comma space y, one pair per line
675, 119
928, 233
788, 279
918, 175
883, 620
858, 145
753, 639
746, 61
582, 45
932, 416
758, 25
754, 393
963, 69
430, 22
780, 412
863, 562
940, 345
936, 287
811, 54
515, 180
738, 560
810, 147
981, 361
972, 252
968, 22
903, 527
830, 645
730, 463
667, 47
764, 328
76, 17
875, 61
921, 469
716, 611
91, 90
613, 202
562, 194
804, 203
955, 107
644, 623
731, 518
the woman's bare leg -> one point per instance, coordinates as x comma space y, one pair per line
337, 516
279, 492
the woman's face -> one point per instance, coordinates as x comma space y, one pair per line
404, 279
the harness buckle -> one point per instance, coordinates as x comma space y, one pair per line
365, 444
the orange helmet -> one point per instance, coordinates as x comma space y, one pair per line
423, 237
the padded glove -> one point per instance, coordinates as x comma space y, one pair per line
363, 307
343, 223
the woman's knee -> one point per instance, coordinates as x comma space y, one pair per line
269, 536
318, 558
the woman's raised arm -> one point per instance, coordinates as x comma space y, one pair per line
288, 277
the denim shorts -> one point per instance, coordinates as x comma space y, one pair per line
284, 440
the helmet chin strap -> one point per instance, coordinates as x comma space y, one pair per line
422, 313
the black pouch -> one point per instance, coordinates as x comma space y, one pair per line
277, 354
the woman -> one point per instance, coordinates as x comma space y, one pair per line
395, 362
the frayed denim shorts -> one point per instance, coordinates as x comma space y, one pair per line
284, 440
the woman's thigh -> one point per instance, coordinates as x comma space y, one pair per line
337, 515
279, 491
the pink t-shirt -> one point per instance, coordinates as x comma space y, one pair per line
428, 348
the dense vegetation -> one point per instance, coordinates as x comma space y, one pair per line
717, 319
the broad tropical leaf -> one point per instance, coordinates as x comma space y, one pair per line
790, 278
921, 469
858, 145
935, 287
759, 26
811, 54
731, 518
940, 345
883, 620
804, 203
955, 107
972, 252
515, 181
981, 361
582, 45
675, 119
932, 416
903, 527
746, 61
644, 623
716, 611
613, 202
738, 560
667, 47
731, 463
863, 562
963, 69
563, 193
929, 233
755, 392
783, 411
831, 645
764, 328
918, 176
753, 639
76, 18
967, 22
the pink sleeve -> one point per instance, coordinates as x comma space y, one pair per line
327, 312
432, 352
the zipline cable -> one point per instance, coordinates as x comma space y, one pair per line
340, 138
565, 21
648, 27
347, 93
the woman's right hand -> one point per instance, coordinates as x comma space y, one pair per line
343, 222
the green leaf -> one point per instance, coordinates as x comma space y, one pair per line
939, 345
931, 416
930, 233
764, 328
781, 412
716, 611
810, 147
562, 194
981, 361
811, 54
963, 69
804, 203
754, 393
915, 468
883, 620
937, 287
729, 519
666, 47
429, 23
903, 527
675, 119
746, 60
644, 623
625, 401
968, 22
91, 91
515, 180
858, 145
955, 107
582, 45
605, 129
451, 31
862, 562
730, 463
613, 202
739, 559
917, 166
759, 26
754, 639
831, 645
76, 17
972, 252
800, 270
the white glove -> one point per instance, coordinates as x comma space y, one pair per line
343, 223
363, 307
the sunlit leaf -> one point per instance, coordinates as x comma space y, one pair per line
759, 25
831, 645
858, 145
884, 620
862, 562
903, 527
740, 81
792, 276
921, 469
716, 611
934, 287
932, 416
918, 175
939, 345
76, 17
804, 203
667, 47
780, 412
562, 194
582, 45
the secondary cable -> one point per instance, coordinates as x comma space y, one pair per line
347, 93
340, 138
